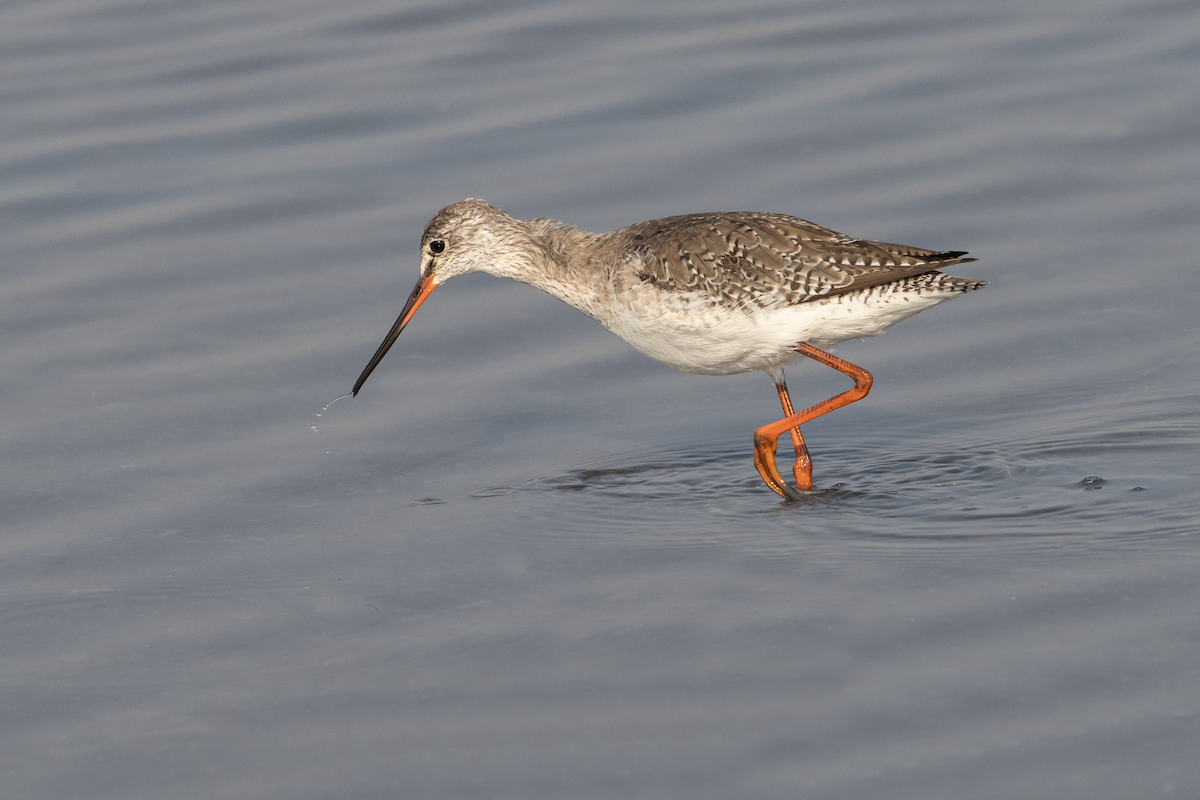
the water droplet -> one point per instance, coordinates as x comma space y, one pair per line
334, 400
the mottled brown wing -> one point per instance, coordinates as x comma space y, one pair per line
752, 259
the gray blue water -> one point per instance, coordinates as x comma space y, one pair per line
526, 561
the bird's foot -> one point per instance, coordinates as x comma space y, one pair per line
764, 462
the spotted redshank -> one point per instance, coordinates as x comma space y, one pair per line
709, 294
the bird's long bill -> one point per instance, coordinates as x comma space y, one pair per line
423, 289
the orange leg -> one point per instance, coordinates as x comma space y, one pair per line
802, 469
766, 438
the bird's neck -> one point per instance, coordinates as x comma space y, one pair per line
559, 260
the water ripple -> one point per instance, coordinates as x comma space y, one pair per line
1036, 488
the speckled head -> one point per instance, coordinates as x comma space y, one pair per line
467, 236
463, 237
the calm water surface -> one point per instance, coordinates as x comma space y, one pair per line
527, 562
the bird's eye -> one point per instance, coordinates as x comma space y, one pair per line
437, 246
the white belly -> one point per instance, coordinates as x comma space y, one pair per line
704, 339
